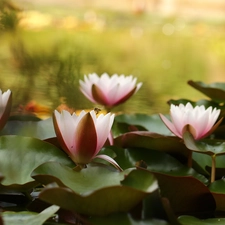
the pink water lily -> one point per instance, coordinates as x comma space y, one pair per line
198, 120
109, 91
5, 107
82, 136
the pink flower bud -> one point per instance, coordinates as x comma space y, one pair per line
82, 136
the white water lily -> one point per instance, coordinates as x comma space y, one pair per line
198, 120
109, 91
5, 106
82, 136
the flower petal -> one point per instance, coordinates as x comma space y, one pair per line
110, 160
85, 140
5, 107
170, 125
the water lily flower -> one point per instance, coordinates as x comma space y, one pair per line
5, 106
198, 120
109, 91
82, 136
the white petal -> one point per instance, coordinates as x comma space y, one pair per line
110, 160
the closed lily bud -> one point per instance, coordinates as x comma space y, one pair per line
5, 107
198, 120
109, 91
82, 136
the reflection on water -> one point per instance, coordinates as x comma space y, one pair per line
45, 63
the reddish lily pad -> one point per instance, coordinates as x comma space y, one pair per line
95, 190
184, 187
145, 139
186, 194
19, 156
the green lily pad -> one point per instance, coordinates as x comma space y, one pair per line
217, 188
190, 220
42, 129
95, 190
215, 91
156, 161
203, 163
124, 219
206, 146
152, 123
19, 156
25, 217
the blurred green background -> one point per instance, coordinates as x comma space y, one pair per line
47, 46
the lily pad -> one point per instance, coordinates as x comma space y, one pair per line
156, 161
42, 129
215, 91
190, 220
145, 139
186, 194
124, 219
152, 123
25, 217
217, 188
203, 162
95, 190
206, 146
184, 187
19, 156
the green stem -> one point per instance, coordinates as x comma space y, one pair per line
189, 163
213, 169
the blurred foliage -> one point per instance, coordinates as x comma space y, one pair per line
8, 16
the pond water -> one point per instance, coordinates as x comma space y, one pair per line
45, 65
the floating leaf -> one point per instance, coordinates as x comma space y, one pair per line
156, 161
217, 188
187, 195
145, 139
124, 219
184, 187
190, 220
19, 156
42, 129
152, 123
205, 146
95, 190
215, 91
203, 163
25, 218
